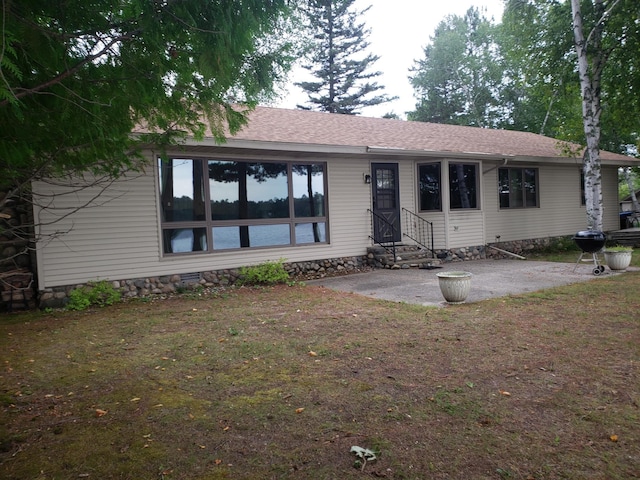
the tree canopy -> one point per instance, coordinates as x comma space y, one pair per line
563, 68
337, 58
458, 81
585, 52
537, 39
76, 77
522, 73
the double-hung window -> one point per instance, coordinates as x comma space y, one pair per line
211, 205
518, 187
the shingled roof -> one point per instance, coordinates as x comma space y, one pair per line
303, 127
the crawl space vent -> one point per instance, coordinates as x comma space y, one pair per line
189, 278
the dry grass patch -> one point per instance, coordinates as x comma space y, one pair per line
280, 382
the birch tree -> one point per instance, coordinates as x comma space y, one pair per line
590, 63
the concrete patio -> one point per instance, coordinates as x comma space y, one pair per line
491, 278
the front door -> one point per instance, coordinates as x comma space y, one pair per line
386, 203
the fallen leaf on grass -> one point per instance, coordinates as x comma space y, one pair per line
613, 438
100, 412
312, 353
217, 461
136, 399
299, 410
505, 393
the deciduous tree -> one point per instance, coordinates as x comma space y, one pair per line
576, 64
459, 79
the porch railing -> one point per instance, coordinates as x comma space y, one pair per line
419, 230
384, 244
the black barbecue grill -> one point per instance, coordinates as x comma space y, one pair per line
590, 241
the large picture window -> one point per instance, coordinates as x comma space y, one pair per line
463, 185
210, 205
518, 187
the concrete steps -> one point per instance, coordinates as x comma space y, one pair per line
407, 256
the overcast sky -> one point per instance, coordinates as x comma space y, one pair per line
400, 29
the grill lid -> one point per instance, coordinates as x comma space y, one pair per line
590, 241
592, 234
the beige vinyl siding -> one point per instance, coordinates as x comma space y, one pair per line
465, 228
610, 199
407, 184
560, 211
115, 236
439, 221
118, 238
349, 198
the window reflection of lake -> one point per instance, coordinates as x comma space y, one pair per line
225, 238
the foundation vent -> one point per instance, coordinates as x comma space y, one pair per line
190, 278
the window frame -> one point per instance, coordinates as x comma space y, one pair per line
477, 197
426, 164
209, 224
524, 197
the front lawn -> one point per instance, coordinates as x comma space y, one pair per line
280, 382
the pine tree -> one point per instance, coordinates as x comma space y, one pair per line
344, 84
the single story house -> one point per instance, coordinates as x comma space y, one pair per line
310, 188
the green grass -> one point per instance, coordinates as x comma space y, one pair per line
572, 255
280, 382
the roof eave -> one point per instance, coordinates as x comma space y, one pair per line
276, 146
396, 152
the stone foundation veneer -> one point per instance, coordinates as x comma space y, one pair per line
57, 297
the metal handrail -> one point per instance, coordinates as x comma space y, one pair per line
393, 230
420, 230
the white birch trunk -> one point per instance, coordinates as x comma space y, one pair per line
590, 76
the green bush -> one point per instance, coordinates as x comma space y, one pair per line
560, 245
267, 273
94, 293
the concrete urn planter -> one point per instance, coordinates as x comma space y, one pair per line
617, 260
455, 286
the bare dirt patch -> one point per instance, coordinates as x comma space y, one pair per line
281, 382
